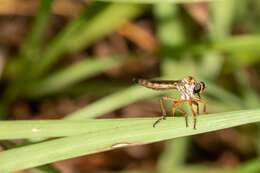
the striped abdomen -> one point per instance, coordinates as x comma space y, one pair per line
158, 84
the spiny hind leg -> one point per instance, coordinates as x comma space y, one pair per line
162, 106
163, 110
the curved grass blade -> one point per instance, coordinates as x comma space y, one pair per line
23, 64
224, 95
174, 155
114, 16
112, 102
31, 48
26, 129
141, 132
58, 46
72, 74
98, 20
222, 16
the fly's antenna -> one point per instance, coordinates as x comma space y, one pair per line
143, 82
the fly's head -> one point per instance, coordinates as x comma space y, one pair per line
199, 88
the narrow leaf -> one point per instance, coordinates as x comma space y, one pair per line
72, 74
141, 132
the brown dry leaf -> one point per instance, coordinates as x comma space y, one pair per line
99, 161
228, 160
140, 36
212, 141
3, 57
21, 172
13, 30
199, 12
29, 7
21, 110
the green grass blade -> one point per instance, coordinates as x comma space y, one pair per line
58, 46
251, 166
72, 74
113, 101
141, 132
99, 20
245, 46
31, 48
222, 16
173, 156
29, 51
224, 95
170, 29
95, 88
235, 43
104, 23
25, 129
205, 169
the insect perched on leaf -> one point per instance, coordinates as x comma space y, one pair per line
189, 90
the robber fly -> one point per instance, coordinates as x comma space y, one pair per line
189, 90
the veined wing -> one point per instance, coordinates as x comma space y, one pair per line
158, 84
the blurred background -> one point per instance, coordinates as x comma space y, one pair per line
60, 56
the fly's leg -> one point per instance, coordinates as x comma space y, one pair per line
204, 106
194, 114
185, 115
165, 98
163, 110
197, 105
174, 107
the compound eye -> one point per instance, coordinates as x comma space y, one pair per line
203, 86
197, 88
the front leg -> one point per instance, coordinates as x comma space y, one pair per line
193, 113
197, 106
204, 105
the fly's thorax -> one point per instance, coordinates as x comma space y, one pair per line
182, 90
186, 88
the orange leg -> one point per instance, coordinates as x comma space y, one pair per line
165, 98
185, 115
174, 107
204, 106
163, 110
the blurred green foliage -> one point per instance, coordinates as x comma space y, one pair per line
210, 53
